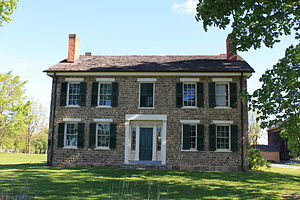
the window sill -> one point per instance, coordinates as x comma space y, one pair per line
103, 106
102, 148
222, 107
146, 108
187, 150
223, 150
189, 107
70, 147
73, 106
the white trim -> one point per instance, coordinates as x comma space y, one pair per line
127, 144
190, 121
137, 143
247, 74
223, 107
72, 119
103, 106
70, 147
154, 142
229, 136
196, 95
74, 79
222, 79
103, 120
222, 122
189, 79
105, 79
102, 148
72, 106
141, 117
223, 150
146, 79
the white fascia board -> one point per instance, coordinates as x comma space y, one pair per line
103, 120
130, 117
189, 79
222, 79
146, 79
143, 74
74, 79
105, 79
222, 122
190, 121
72, 119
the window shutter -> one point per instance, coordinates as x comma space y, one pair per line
186, 137
63, 93
200, 95
95, 86
233, 95
61, 134
179, 95
115, 94
200, 137
113, 136
82, 94
212, 94
80, 142
234, 137
212, 137
92, 137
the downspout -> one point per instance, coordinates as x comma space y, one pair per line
53, 118
242, 123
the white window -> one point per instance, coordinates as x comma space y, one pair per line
158, 139
133, 138
73, 94
189, 137
103, 135
189, 94
222, 95
223, 137
71, 135
105, 94
146, 95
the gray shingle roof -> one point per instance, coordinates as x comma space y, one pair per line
267, 147
152, 64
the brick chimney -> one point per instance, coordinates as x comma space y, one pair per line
230, 49
74, 48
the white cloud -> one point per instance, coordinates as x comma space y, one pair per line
187, 7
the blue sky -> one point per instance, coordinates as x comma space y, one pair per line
38, 36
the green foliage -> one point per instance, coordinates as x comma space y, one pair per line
256, 160
7, 7
40, 141
254, 129
114, 183
253, 22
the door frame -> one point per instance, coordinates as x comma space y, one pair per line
145, 121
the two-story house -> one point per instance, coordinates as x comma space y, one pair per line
175, 112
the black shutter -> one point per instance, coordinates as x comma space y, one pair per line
92, 137
115, 94
82, 94
61, 134
113, 136
63, 93
234, 137
200, 95
80, 142
212, 94
186, 137
95, 86
179, 95
212, 137
200, 137
233, 95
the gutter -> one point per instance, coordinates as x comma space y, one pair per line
242, 123
53, 118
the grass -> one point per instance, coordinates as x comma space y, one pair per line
42, 182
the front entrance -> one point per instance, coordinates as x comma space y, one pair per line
146, 143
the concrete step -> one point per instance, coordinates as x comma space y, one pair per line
142, 166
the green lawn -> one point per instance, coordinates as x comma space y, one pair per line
42, 182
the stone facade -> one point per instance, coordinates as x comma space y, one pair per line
165, 104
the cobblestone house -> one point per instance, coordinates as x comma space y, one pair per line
173, 112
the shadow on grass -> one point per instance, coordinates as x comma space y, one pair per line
116, 183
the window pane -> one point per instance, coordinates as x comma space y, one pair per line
222, 95
74, 94
103, 135
71, 135
189, 94
222, 137
193, 137
146, 95
158, 143
105, 94
133, 138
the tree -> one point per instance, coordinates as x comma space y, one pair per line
256, 22
13, 105
7, 7
254, 129
40, 141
